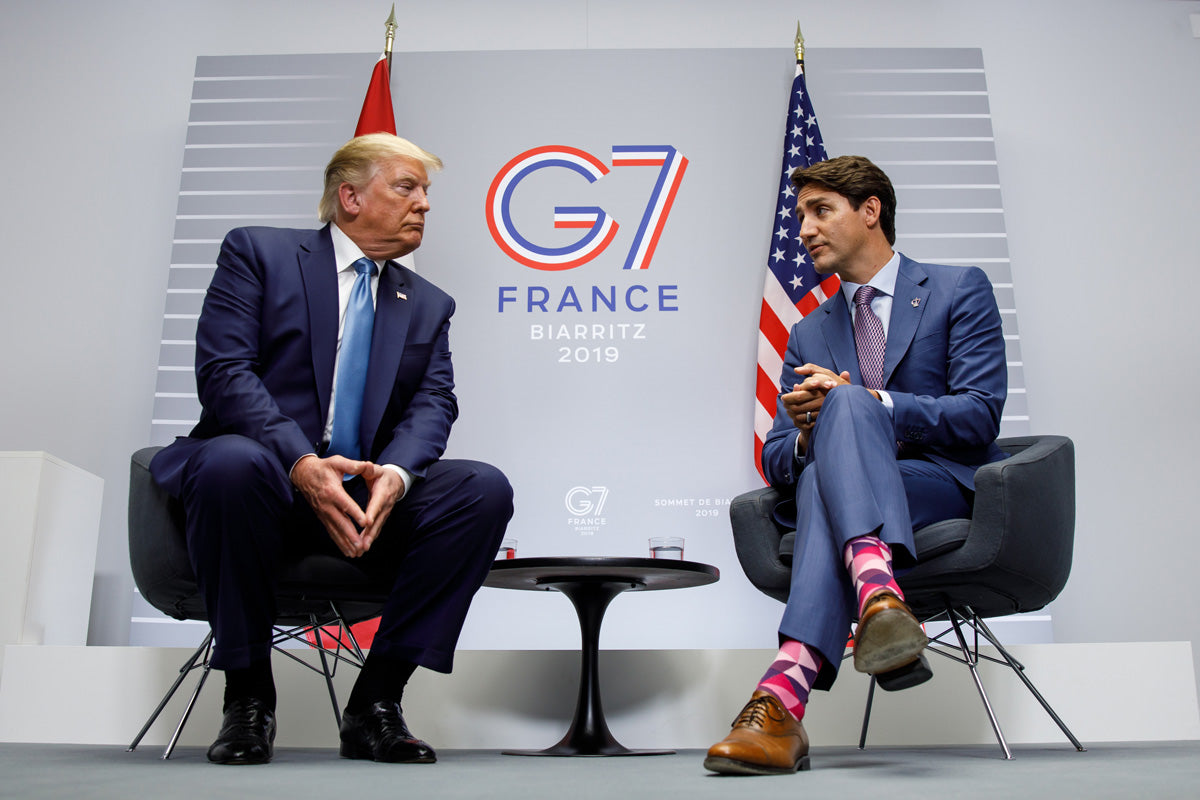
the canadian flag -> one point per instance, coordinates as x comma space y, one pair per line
377, 115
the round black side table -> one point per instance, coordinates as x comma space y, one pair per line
590, 583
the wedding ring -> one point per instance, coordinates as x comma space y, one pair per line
808, 417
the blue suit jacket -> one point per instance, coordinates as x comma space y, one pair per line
944, 367
265, 347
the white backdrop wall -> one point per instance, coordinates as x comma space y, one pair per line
1096, 110
616, 400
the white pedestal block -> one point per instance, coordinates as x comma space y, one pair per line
667, 698
49, 524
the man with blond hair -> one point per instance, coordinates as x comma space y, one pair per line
323, 368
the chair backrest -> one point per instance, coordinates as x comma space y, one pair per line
163, 573
1013, 555
757, 539
157, 544
1016, 555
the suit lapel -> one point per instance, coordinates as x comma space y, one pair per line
393, 312
318, 271
839, 337
908, 304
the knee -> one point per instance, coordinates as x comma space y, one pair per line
492, 488
233, 466
852, 399
849, 393
468, 489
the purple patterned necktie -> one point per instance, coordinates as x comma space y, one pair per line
868, 338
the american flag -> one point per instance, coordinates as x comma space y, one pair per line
792, 288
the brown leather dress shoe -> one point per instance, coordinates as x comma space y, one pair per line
888, 636
765, 740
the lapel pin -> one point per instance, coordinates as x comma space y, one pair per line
401, 296
916, 301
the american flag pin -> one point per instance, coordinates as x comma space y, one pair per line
916, 301
401, 296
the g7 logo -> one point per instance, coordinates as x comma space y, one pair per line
601, 228
583, 501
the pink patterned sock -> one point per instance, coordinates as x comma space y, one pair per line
869, 562
790, 677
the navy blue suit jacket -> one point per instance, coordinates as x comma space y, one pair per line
265, 347
944, 367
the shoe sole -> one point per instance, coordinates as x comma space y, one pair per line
892, 639
728, 766
241, 762
349, 751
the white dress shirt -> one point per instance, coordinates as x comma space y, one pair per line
345, 253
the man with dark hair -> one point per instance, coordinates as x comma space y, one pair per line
890, 400
323, 368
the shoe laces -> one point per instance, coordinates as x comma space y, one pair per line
754, 714
391, 721
245, 714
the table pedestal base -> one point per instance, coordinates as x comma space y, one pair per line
589, 734
567, 750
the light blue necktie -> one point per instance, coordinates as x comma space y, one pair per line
353, 356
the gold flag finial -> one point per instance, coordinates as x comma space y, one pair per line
799, 44
391, 36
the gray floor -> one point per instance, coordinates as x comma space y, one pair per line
1038, 771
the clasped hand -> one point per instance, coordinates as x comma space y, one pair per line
804, 402
351, 528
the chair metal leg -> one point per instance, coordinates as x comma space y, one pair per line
201, 652
337, 712
971, 664
200, 660
862, 736
351, 640
1019, 669
187, 712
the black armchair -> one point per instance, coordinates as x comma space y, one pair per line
319, 596
1013, 555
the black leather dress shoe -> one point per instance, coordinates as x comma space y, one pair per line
247, 734
914, 673
380, 734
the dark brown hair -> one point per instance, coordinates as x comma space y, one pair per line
856, 179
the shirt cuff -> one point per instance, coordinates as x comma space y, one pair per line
886, 399
406, 477
297, 461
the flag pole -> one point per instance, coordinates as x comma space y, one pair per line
391, 36
792, 287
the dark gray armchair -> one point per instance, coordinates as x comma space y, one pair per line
1013, 555
319, 596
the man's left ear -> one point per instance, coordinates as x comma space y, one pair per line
348, 199
871, 208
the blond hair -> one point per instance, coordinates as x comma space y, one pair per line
357, 161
